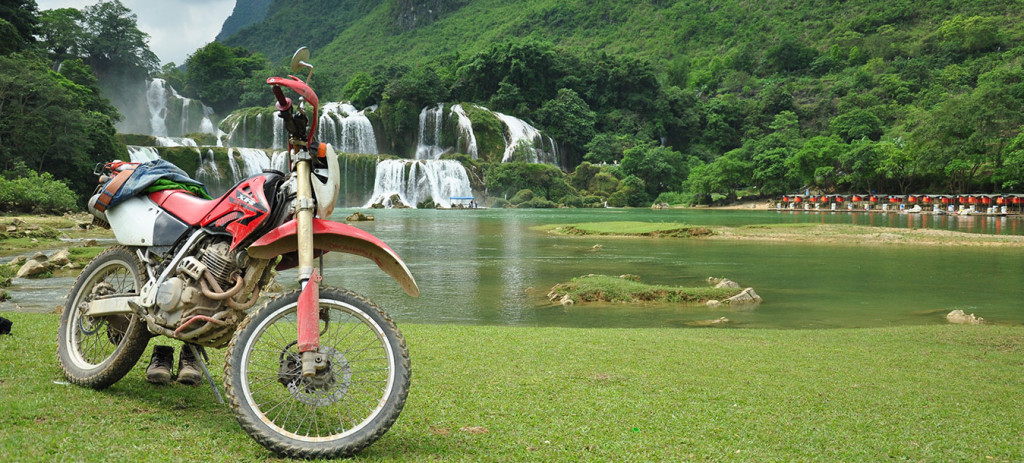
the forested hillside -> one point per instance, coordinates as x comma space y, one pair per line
245, 13
701, 96
683, 100
55, 125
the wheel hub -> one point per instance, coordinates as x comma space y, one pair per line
326, 387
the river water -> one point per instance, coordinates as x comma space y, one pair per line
488, 267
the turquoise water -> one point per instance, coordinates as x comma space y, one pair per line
488, 267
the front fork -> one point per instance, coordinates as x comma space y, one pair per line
309, 280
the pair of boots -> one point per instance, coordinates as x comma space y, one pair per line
159, 370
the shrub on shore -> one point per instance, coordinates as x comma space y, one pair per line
36, 193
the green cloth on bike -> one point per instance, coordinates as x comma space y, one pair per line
166, 184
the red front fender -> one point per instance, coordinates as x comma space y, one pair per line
332, 236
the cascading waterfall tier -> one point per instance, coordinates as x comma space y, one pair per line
347, 128
417, 181
467, 139
176, 141
142, 153
429, 145
253, 161
523, 142
171, 114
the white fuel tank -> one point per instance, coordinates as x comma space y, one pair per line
138, 221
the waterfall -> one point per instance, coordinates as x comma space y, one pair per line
176, 141
429, 133
522, 135
142, 153
347, 128
417, 181
173, 114
209, 174
279, 161
185, 104
206, 125
253, 162
279, 132
156, 100
466, 131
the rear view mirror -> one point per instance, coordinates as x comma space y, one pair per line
299, 60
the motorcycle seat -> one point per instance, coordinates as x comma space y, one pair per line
190, 208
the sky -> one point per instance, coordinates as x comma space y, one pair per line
176, 28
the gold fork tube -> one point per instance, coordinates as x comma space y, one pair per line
304, 220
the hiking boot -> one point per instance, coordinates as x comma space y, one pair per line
188, 368
159, 369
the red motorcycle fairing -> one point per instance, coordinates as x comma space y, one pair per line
238, 212
332, 236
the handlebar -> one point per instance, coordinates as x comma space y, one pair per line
296, 122
284, 104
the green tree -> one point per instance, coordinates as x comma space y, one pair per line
22, 17
49, 123
661, 168
723, 175
857, 124
508, 178
722, 124
363, 90
966, 132
675, 117
115, 45
817, 161
789, 55
860, 164
10, 41
1011, 174
632, 192
528, 67
967, 35
63, 34
896, 161
568, 119
770, 174
217, 74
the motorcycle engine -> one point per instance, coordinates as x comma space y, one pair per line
182, 293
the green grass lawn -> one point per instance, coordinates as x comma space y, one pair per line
481, 393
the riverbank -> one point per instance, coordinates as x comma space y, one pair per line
921, 393
40, 247
834, 234
20, 234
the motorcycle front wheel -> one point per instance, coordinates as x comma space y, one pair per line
346, 406
98, 351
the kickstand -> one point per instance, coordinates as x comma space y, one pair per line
206, 371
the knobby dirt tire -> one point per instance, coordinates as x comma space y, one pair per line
97, 352
349, 408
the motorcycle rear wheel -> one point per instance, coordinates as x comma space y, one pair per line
346, 406
98, 351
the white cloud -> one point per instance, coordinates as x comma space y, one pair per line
176, 27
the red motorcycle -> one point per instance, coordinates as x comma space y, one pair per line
316, 372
